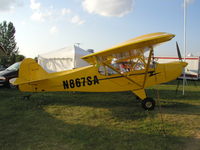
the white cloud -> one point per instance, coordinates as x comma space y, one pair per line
65, 11
116, 8
41, 16
77, 20
53, 30
23, 22
51, 14
37, 16
8, 5
34, 5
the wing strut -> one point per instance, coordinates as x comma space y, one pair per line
147, 66
122, 75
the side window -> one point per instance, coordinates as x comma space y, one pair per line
125, 66
102, 70
138, 64
106, 71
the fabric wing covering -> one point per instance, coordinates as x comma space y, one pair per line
63, 59
130, 49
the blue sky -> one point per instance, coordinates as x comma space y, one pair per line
45, 25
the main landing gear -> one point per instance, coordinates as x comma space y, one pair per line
148, 103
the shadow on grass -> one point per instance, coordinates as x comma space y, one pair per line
180, 108
123, 105
173, 103
188, 82
170, 94
25, 126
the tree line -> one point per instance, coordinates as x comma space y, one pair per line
9, 52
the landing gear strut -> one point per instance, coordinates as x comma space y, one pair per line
148, 103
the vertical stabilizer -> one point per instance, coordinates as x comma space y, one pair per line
30, 71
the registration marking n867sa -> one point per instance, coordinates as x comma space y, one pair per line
82, 81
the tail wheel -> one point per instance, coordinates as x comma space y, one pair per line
148, 103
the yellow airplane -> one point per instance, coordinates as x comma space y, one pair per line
123, 67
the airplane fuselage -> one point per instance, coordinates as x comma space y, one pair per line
88, 79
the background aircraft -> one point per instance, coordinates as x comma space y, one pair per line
128, 66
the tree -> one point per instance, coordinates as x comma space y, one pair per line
8, 43
19, 57
2, 51
7, 38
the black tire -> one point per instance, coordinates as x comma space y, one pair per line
148, 103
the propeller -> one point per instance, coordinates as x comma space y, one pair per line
178, 52
181, 60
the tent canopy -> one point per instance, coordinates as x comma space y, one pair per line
63, 59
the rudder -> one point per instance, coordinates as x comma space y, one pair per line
30, 71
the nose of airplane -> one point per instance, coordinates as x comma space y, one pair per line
184, 64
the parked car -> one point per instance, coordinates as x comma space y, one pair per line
2, 67
9, 73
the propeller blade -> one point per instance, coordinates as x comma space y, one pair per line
178, 52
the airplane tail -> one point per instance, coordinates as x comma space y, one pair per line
29, 72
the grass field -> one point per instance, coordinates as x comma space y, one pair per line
100, 121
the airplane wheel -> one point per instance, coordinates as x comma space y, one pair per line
148, 103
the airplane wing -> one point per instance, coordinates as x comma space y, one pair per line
130, 49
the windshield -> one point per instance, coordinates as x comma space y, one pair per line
14, 67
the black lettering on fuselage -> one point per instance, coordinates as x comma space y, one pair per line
65, 84
78, 82
83, 81
96, 80
89, 81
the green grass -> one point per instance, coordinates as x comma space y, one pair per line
100, 121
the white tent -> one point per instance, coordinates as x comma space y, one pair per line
63, 59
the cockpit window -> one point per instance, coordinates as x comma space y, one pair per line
126, 65
104, 70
